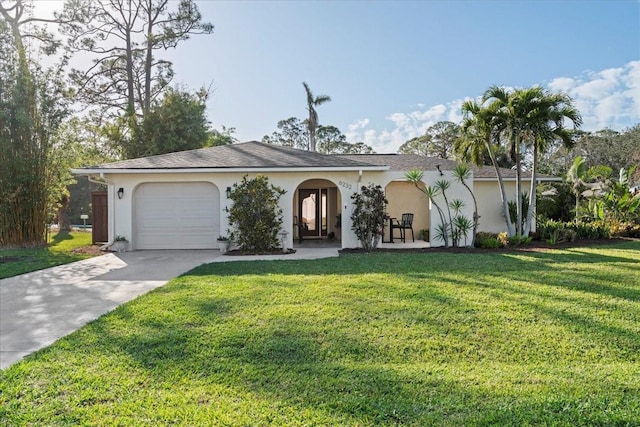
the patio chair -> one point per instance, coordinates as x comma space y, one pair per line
302, 227
406, 223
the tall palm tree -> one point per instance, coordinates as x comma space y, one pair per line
312, 122
509, 110
480, 134
530, 117
547, 125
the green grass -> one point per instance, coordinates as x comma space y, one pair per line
56, 253
540, 338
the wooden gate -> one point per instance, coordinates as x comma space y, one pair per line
100, 218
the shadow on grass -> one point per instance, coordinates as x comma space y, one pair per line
289, 363
60, 237
290, 353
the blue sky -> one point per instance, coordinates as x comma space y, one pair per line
394, 68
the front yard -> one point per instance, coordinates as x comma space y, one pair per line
63, 248
526, 338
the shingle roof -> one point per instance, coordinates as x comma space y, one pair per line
251, 154
259, 155
402, 162
406, 162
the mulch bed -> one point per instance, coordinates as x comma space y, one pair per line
534, 246
237, 252
88, 250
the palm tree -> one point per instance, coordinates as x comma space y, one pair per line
462, 173
510, 110
530, 117
576, 176
479, 135
312, 122
547, 125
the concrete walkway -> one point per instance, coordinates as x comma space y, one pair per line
38, 308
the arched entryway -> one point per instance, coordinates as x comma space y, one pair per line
317, 211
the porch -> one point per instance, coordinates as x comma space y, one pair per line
326, 243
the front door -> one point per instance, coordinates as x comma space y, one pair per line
312, 210
99, 217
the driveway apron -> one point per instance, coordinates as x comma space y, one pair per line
38, 308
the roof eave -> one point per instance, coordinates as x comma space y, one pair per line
94, 171
552, 178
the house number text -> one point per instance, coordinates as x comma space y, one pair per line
345, 185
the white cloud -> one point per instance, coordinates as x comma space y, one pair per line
358, 124
607, 98
562, 84
405, 125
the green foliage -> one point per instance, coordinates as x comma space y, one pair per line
255, 216
178, 122
292, 133
454, 227
438, 141
123, 42
612, 149
555, 201
369, 215
295, 133
312, 122
568, 231
513, 208
32, 108
624, 229
487, 240
221, 137
424, 234
519, 240
383, 339
462, 173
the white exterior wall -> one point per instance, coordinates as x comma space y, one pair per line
455, 191
121, 211
122, 215
490, 203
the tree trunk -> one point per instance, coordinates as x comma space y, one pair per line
531, 212
518, 188
503, 194
129, 58
64, 224
148, 61
476, 218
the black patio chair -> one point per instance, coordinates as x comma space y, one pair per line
302, 227
405, 223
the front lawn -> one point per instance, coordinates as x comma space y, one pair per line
527, 338
59, 251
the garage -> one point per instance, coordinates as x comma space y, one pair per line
176, 215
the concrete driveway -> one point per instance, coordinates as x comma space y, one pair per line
38, 308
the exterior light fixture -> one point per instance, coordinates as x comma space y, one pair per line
120, 192
228, 192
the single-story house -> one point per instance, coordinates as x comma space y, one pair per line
179, 200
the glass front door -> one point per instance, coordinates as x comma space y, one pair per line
312, 211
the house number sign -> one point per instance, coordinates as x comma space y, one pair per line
345, 185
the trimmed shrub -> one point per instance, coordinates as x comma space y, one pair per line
256, 216
569, 231
369, 215
487, 241
625, 229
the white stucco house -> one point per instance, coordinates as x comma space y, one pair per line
178, 200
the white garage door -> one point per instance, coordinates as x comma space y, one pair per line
180, 215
